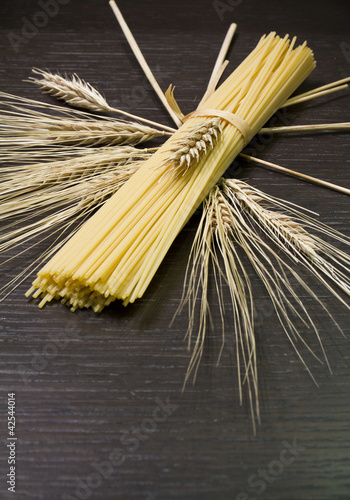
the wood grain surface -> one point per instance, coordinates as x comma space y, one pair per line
100, 408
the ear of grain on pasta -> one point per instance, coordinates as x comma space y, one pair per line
117, 252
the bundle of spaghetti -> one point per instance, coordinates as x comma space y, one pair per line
117, 251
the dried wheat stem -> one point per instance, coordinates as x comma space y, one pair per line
309, 97
220, 64
317, 92
324, 127
142, 61
337, 83
299, 175
81, 94
223, 52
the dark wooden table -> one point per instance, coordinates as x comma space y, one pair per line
100, 412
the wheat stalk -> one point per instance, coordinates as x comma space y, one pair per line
197, 143
25, 126
223, 228
318, 92
299, 175
142, 61
227, 222
320, 127
211, 244
81, 94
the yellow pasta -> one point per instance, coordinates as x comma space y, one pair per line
117, 251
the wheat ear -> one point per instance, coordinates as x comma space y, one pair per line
57, 197
28, 178
27, 128
198, 142
81, 94
276, 275
275, 223
75, 92
290, 234
26, 156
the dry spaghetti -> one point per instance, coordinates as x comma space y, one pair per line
117, 252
